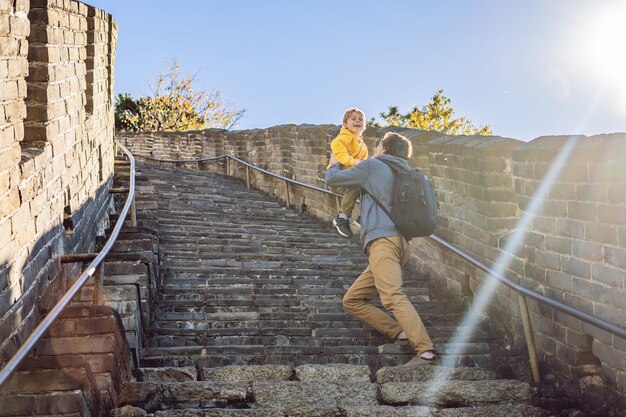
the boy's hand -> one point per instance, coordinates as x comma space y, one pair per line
332, 160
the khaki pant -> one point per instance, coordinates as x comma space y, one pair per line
383, 277
350, 195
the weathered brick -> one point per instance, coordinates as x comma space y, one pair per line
612, 214
574, 356
19, 27
559, 280
608, 275
570, 228
17, 405
587, 250
613, 170
615, 256
595, 192
578, 302
575, 266
9, 203
609, 355
580, 340
21, 217
616, 298
61, 403
560, 245
10, 155
561, 191
600, 233
588, 289
617, 193
579, 210
77, 345
21, 6
5, 230
544, 225
538, 274
548, 260
46, 381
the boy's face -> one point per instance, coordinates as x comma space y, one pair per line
355, 123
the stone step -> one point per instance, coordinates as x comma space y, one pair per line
507, 410
69, 402
327, 390
319, 329
172, 226
208, 247
218, 355
455, 393
299, 278
174, 292
199, 251
270, 310
245, 280
274, 337
267, 262
257, 268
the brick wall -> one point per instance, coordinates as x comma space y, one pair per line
572, 249
56, 150
576, 253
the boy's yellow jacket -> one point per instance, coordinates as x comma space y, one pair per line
348, 148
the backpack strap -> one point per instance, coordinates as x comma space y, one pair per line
377, 201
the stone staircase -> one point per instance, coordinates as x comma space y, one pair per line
247, 318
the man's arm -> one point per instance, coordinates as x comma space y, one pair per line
357, 175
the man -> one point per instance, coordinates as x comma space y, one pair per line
387, 250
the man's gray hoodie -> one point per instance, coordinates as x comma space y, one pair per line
376, 178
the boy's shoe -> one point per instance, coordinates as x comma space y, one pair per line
343, 226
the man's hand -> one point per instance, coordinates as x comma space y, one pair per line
332, 160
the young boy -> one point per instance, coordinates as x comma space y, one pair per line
348, 149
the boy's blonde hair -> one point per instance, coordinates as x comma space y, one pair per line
351, 110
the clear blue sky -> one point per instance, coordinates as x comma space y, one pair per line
528, 69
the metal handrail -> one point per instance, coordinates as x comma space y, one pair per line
581, 315
241, 161
522, 291
43, 326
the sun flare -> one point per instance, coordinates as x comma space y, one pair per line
603, 49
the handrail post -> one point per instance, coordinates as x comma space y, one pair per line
98, 298
287, 193
247, 176
133, 213
227, 166
530, 339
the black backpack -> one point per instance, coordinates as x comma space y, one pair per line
414, 203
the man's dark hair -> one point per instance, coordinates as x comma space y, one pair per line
397, 145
